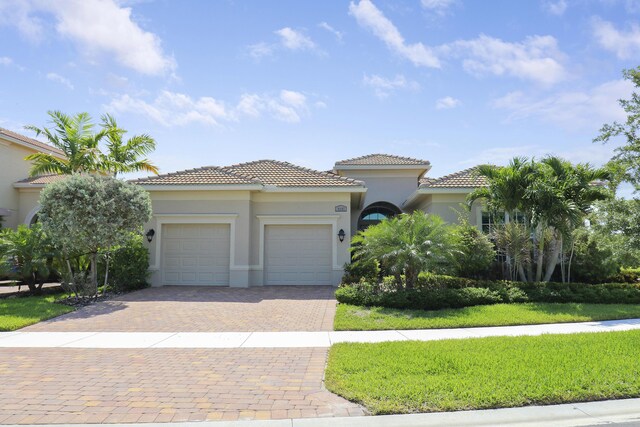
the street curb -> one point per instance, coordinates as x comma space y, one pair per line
566, 415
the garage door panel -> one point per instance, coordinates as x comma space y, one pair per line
298, 255
196, 254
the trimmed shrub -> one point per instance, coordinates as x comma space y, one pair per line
359, 270
438, 292
129, 266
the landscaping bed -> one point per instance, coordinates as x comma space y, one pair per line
358, 318
434, 292
18, 312
410, 377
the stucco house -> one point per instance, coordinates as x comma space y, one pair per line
18, 198
269, 222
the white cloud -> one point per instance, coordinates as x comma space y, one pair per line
625, 44
447, 103
571, 110
537, 58
369, 16
98, 27
59, 79
439, 7
173, 109
332, 30
595, 154
260, 50
557, 7
294, 40
383, 86
5, 60
178, 109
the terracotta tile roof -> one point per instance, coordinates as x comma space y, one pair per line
263, 172
34, 143
383, 160
42, 179
284, 174
467, 178
208, 175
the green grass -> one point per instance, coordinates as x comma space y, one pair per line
410, 376
355, 318
16, 313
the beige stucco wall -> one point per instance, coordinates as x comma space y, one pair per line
27, 204
447, 207
13, 168
248, 212
391, 186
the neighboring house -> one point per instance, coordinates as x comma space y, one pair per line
18, 202
274, 223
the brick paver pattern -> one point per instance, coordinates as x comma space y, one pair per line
204, 309
65, 386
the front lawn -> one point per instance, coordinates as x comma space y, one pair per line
18, 312
411, 376
356, 318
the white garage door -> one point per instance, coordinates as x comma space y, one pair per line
298, 255
195, 254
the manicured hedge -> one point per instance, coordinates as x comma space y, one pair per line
435, 292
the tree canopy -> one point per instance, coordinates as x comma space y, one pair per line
84, 214
80, 144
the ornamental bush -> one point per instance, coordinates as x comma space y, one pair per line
128, 265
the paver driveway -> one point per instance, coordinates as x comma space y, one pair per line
205, 309
66, 385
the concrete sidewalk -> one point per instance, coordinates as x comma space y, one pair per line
286, 339
611, 412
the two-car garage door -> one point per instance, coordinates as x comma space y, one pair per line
298, 255
199, 254
196, 254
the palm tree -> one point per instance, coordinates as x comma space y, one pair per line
29, 254
74, 136
554, 196
123, 157
563, 197
406, 244
507, 192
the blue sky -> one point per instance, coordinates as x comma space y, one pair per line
220, 82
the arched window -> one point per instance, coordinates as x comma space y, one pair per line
376, 212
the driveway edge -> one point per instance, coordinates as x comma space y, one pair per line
565, 415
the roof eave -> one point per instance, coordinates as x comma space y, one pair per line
27, 185
318, 189
34, 147
425, 167
199, 187
446, 190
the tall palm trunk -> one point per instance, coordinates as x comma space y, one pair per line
553, 259
540, 258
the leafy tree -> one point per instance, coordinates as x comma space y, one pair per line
406, 244
29, 254
476, 250
627, 157
80, 144
86, 214
126, 156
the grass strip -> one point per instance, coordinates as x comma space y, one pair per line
18, 312
356, 318
496, 372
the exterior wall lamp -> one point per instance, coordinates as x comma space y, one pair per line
150, 235
341, 235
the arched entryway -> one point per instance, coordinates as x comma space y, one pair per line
376, 212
